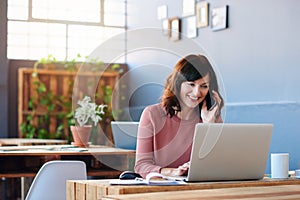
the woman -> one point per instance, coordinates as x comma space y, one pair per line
166, 130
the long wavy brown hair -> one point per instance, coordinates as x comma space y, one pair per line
189, 68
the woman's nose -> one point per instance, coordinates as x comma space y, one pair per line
197, 91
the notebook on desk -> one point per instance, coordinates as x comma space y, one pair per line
223, 152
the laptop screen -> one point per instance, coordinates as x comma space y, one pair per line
125, 134
229, 151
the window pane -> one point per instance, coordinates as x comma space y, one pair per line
114, 20
85, 39
40, 39
17, 52
17, 9
82, 39
114, 6
114, 12
70, 10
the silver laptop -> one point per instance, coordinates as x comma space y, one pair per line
125, 134
229, 152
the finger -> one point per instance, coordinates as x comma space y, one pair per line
215, 110
217, 97
214, 107
182, 168
186, 165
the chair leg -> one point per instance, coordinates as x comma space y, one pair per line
22, 188
3, 189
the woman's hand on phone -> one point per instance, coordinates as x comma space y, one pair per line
210, 116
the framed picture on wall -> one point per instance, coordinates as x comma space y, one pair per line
162, 12
191, 29
188, 8
219, 18
174, 28
202, 14
165, 26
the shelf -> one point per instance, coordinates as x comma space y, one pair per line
63, 83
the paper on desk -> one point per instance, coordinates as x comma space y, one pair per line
78, 149
128, 182
149, 181
26, 148
43, 148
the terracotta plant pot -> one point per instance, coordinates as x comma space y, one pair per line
81, 135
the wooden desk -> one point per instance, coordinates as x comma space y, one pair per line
242, 193
97, 189
27, 141
25, 161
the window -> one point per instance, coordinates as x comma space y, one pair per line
63, 28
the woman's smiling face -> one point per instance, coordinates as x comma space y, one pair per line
194, 92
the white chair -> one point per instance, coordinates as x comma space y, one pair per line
50, 181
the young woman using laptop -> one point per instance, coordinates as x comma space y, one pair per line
166, 130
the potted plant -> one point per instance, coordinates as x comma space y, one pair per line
87, 115
50, 62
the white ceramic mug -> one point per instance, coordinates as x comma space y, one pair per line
280, 165
297, 173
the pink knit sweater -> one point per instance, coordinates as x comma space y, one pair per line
162, 141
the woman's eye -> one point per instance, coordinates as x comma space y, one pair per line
204, 86
192, 84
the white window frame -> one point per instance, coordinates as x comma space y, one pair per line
68, 23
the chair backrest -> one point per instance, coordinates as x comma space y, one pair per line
50, 181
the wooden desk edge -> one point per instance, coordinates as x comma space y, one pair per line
269, 192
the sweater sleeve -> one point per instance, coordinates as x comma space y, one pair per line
144, 148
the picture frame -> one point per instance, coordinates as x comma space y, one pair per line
191, 29
162, 12
165, 26
174, 28
202, 14
219, 18
188, 8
